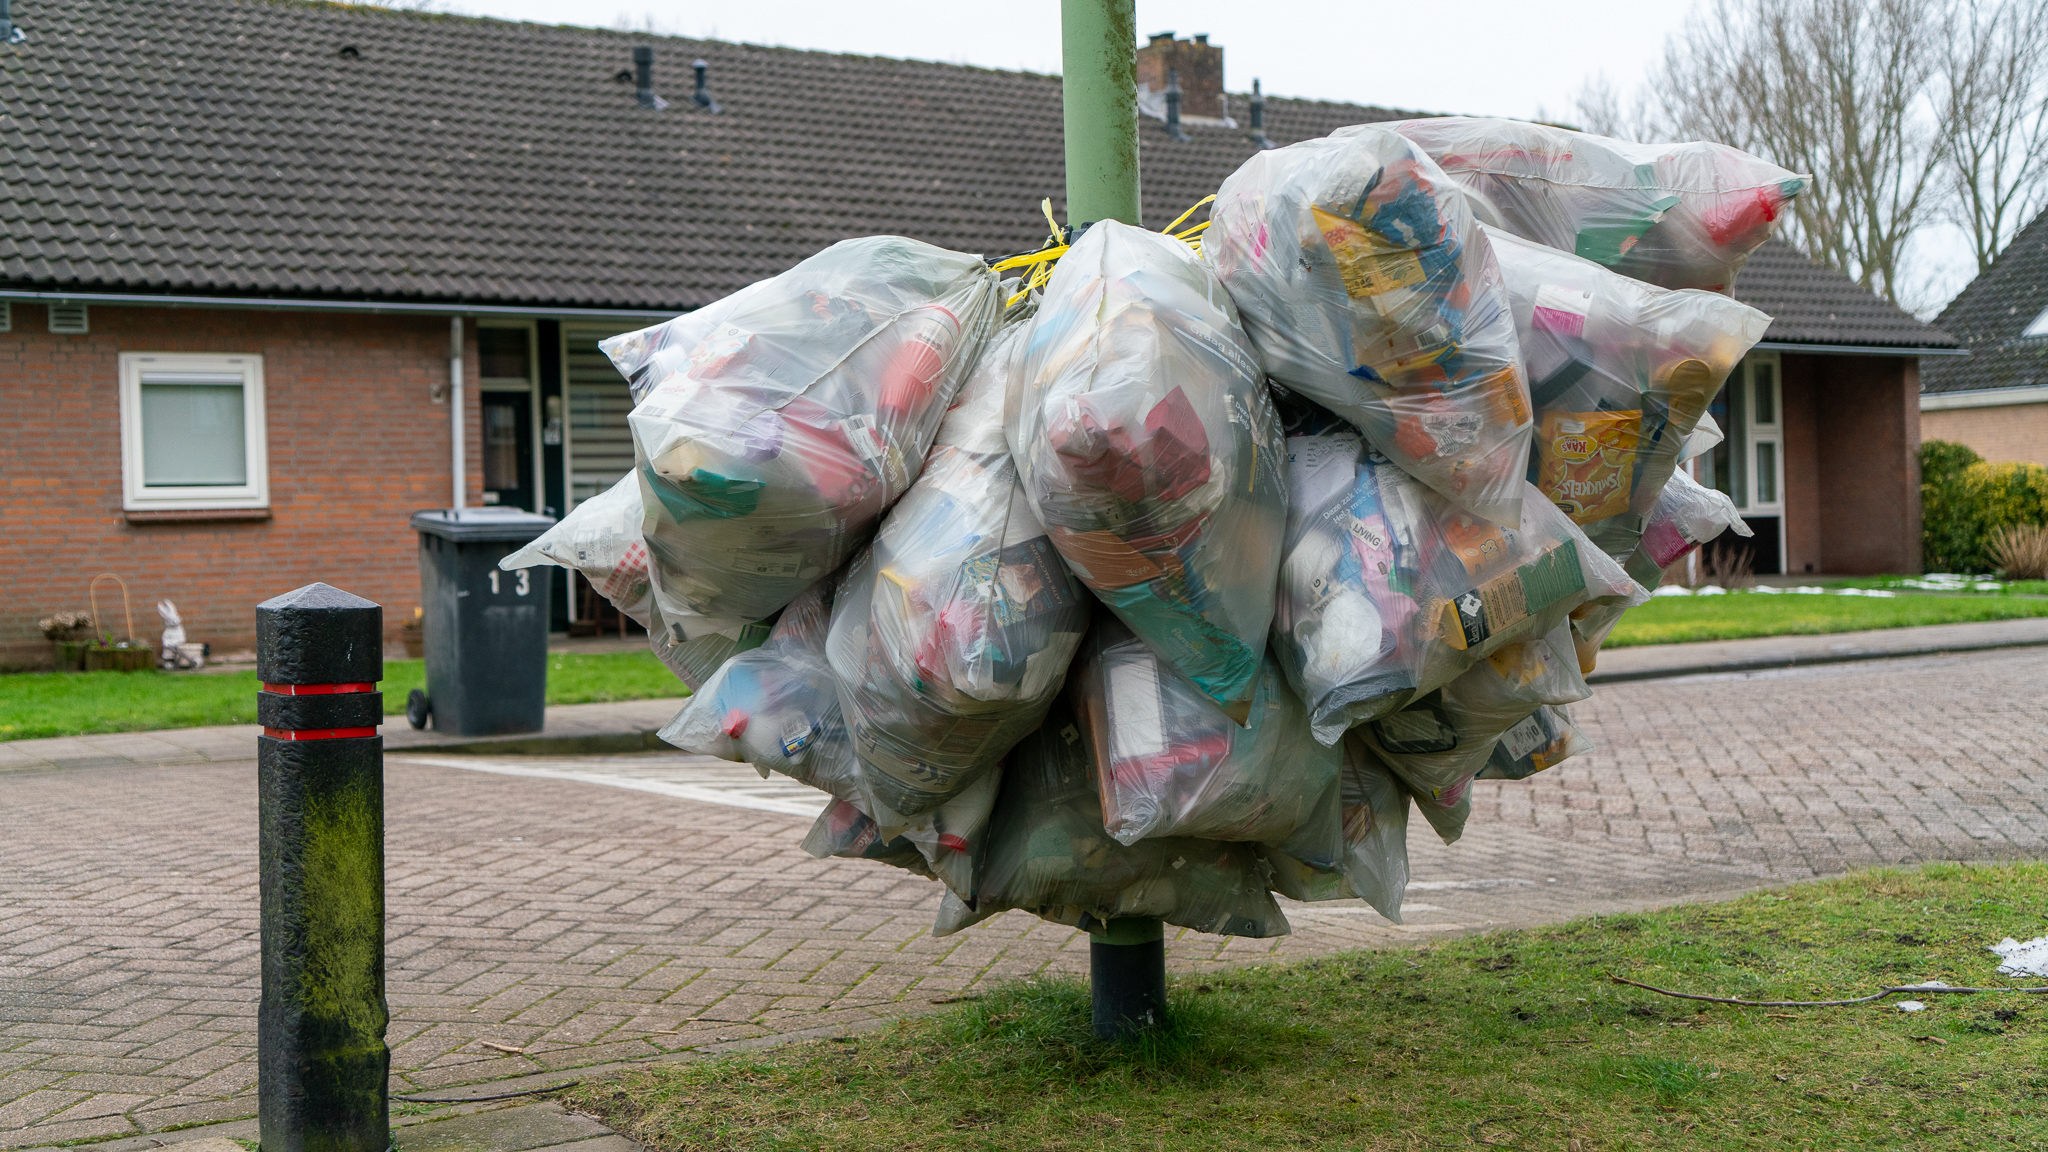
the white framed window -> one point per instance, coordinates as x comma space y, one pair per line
1766, 433
193, 435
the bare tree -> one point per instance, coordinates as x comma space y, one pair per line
1995, 72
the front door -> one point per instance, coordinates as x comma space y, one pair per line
508, 450
1749, 464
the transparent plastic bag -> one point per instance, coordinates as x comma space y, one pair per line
1544, 739
945, 843
1687, 515
777, 706
1148, 447
1367, 287
1437, 744
1674, 215
1375, 863
1048, 854
599, 538
951, 635
1389, 592
1622, 373
774, 427
1173, 766
843, 830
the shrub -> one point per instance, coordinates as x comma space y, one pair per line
2021, 551
1965, 503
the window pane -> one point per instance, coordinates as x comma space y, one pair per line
501, 353
1766, 374
1767, 473
501, 446
192, 433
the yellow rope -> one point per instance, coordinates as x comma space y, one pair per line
1041, 262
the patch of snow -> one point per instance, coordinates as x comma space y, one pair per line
1672, 590
1711, 590
1912, 1006
1859, 592
2017, 959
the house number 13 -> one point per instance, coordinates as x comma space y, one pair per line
520, 586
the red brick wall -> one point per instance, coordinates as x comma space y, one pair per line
1867, 428
1796, 381
356, 445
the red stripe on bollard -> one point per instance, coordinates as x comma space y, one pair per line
317, 733
316, 689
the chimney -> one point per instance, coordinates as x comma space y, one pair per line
1258, 135
702, 96
1173, 105
643, 79
1200, 65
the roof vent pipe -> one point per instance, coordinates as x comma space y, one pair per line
9, 34
1258, 135
1173, 105
703, 94
643, 79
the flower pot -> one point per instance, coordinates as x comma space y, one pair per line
119, 659
415, 642
71, 654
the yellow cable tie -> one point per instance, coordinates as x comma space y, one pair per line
1058, 233
1192, 209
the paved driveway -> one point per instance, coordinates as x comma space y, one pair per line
562, 914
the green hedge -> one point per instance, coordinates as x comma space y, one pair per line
1963, 500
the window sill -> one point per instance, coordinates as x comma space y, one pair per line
191, 515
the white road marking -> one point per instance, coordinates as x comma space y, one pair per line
700, 778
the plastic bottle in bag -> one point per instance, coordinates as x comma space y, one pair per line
773, 428
1439, 743
1171, 765
1687, 515
1367, 287
1149, 449
1623, 372
1048, 854
1674, 215
951, 635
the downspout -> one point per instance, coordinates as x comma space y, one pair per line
457, 465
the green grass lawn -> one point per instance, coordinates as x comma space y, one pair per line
1510, 1040
82, 703
1678, 619
1991, 586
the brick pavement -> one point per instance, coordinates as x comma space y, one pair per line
588, 925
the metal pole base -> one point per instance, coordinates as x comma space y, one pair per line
1127, 973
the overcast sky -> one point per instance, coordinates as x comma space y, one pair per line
1499, 57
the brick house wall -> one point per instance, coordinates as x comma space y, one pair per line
1852, 464
1998, 433
1797, 393
355, 442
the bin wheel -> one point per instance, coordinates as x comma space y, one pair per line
417, 709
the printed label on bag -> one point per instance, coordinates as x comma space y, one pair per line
796, 736
1586, 462
1526, 737
1562, 310
1370, 267
782, 565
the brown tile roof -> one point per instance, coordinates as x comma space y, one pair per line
236, 147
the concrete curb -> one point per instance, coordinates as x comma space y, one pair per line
1801, 661
587, 744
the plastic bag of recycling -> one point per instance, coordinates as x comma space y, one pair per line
1687, 515
1545, 739
1367, 287
774, 427
1148, 447
951, 635
1622, 373
1048, 854
1437, 744
777, 706
601, 539
1675, 215
1375, 863
1388, 592
945, 843
1171, 765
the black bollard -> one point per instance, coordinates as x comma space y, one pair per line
320, 1055
1127, 975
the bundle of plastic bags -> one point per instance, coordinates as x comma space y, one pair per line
1439, 743
951, 635
1147, 444
1675, 215
1367, 287
775, 426
1388, 592
1172, 765
1048, 854
1622, 373
1687, 515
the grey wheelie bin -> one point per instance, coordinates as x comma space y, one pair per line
486, 631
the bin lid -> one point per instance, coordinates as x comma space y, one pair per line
482, 525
